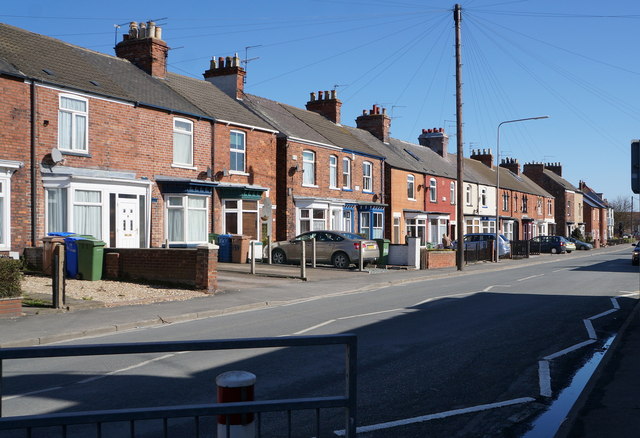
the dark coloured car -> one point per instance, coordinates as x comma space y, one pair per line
580, 245
635, 257
552, 244
338, 248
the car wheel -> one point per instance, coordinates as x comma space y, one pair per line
554, 250
340, 260
278, 257
568, 252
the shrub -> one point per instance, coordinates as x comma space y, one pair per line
577, 234
10, 278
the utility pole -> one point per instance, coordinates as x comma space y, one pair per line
457, 17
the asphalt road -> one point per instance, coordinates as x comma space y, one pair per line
474, 356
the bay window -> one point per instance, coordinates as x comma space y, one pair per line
187, 218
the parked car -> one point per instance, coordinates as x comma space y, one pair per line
552, 244
339, 248
580, 244
635, 256
473, 241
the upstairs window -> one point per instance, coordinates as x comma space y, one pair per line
505, 201
433, 190
333, 172
346, 173
367, 183
73, 117
237, 148
483, 197
308, 168
411, 187
182, 142
468, 195
452, 193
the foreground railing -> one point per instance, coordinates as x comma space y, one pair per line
97, 420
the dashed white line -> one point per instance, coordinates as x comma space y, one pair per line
530, 277
599, 315
437, 416
27, 394
322, 324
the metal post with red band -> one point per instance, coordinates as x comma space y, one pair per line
236, 386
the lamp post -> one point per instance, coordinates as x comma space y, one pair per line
497, 246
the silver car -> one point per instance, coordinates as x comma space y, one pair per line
339, 248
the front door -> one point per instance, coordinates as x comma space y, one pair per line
127, 220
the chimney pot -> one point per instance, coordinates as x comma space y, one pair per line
334, 94
320, 95
312, 96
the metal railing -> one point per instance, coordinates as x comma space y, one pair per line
63, 422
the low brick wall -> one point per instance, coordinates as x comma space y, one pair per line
196, 267
10, 307
437, 259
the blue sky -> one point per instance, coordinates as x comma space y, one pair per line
575, 61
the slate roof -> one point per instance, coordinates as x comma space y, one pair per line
214, 102
308, 125
560, 180
54, 62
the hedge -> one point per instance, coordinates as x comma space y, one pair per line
10, 278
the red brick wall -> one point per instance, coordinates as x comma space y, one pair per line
291, 179
10, 307
196, 267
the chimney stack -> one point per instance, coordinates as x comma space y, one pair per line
436, 140
376, 122
326, 104
484, 156
226, 74
554, 167
511, 164
143, 47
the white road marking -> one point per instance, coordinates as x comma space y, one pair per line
322, 324
27, 394
437, 416
138, 365
615, 303
488, 288
569, 350
530, 277
603, 314
544, 378
590, 330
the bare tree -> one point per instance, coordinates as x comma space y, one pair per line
622, 214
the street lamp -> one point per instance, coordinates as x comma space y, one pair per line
498, 179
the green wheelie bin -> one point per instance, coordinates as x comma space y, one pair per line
90, 257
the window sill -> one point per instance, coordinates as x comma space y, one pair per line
346, 189
313, 186
183, 166
75, 153
368, 192
237, 172
335, 188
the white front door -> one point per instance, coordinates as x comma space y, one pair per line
127, 220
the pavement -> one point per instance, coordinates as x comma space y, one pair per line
608, 406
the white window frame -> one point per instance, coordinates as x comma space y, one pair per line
308, 168
76, 204
377, 224
333, 172
452, 192
77, 118
239, 151
5, 214
346, 173
186, 209
315, 218
483, 196
411, 187
365, 224
182, 132
433, 190
239, 210
417, 227
468, 194
367, 176
505, 201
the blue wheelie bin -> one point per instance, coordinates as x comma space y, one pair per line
224, 248
71, 255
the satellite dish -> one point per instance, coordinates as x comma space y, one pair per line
56, 155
